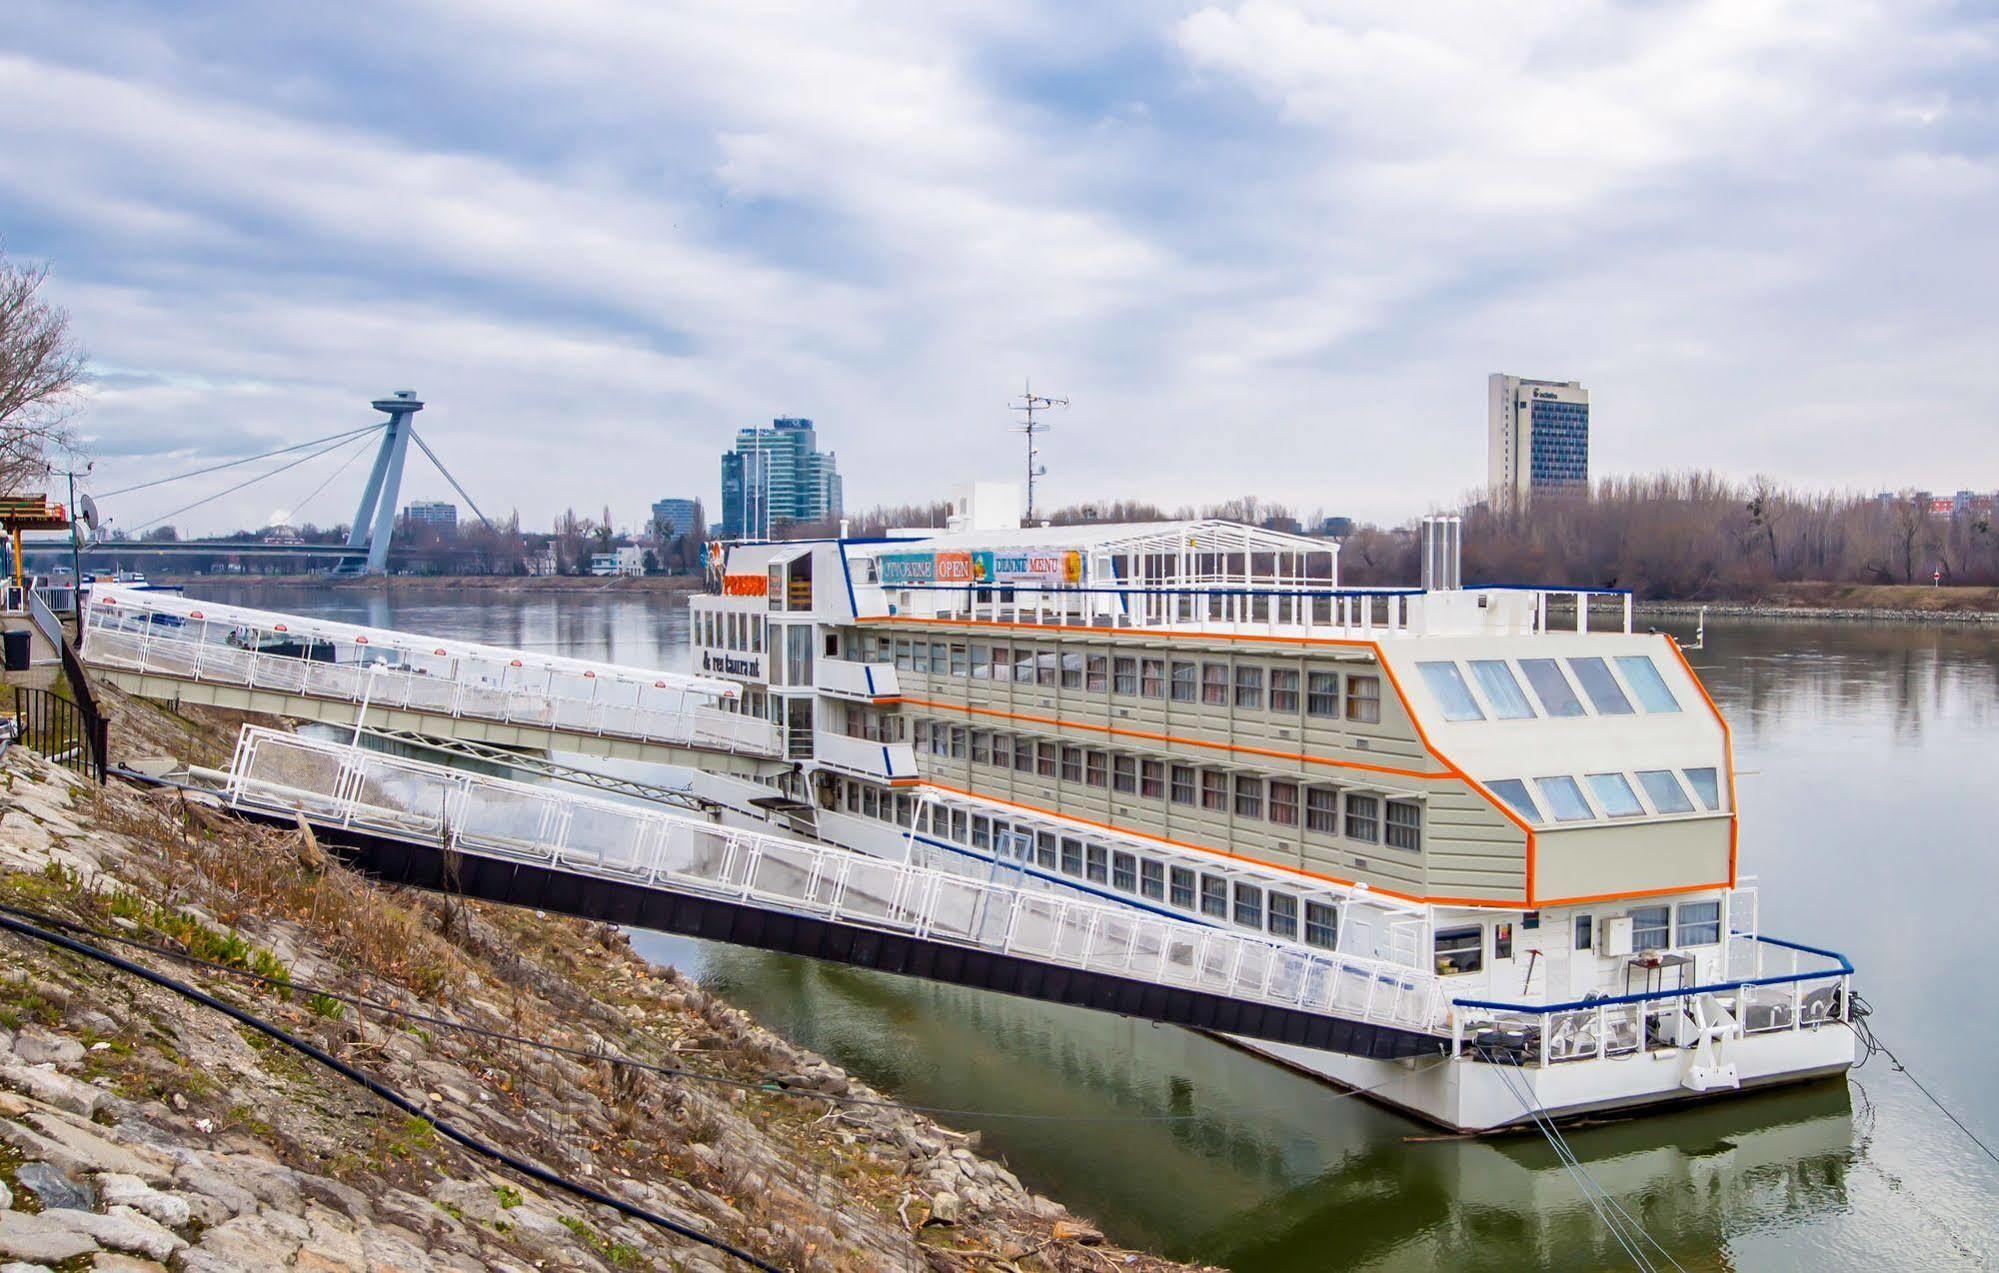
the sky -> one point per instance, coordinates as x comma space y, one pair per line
1264, 248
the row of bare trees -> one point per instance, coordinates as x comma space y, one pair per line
41, 376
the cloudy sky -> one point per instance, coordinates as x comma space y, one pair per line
1265, 247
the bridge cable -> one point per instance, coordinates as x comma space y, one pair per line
248, 481
389, 1094
447, 476
767, 1084
250, 459
345, 464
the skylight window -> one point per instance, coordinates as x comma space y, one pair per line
1453, 695
1665, 791
1601, 686
1614, 793
1707, 786
1509, 701
1514, 792
1643, 677
1565, 798
1551, 687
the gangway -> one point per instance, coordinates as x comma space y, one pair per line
160, 645
411, 822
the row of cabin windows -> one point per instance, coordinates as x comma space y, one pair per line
1183, 888
1281, 802
1501, 696
729, 630
1249, 687
1461, 948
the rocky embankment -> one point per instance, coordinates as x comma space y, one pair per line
140, 1130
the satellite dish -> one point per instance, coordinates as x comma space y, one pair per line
86, 512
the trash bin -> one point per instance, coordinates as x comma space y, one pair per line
16, 647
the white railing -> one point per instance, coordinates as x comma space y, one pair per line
849, 679
864, 756
475, 814
374, 667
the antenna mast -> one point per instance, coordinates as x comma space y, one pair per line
1028, 403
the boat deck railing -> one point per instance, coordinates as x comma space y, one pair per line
476, 814
1784, 986
202, 641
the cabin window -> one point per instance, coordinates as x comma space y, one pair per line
1283, 915
1585, 933
1565, 798
1364, 699
982, 747
1124, 872
1124, 774
1044, 759
902, 656
1322, 925
1152, 878
1665, 791
1002, 751
1597, 682
940, 659
1023, 755
1097, 859
1651, 927
1040, 670
1152, 678
1072, 857
870, 802
1072, 671
1322, 810
981, 662
1072, 764
1044, 850
1183, 682
1700, 923
1707, 785
1151, 778
958, 825
1514, 792
1405, 825
1093, 673
1447, 684
1183, 784
1364, 818
1183, 888
1248, 905
982, 832
1557, 697
921, 654
1502, 941
1284, 803
853, 797
1501, 690
1124, 675
961, 663
1249, 688
1322, 694
957, 742
1614, 793
1283, 689
1215, 896
1643, 676
1002, 663
1215, 684
1214, 791
1460, 950
1095, 766
1249, 797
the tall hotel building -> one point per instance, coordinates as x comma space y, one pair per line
1537, 437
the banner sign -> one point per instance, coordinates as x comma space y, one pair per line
1040, 566
907, 568
746, 585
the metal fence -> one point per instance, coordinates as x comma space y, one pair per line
68, 732
475, 814
371, 667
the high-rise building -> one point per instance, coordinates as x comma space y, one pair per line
776, 476
1537, 436
430, 513
672, 518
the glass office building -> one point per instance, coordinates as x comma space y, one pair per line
777, 476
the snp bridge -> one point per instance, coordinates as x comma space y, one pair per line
164, 646
411, 822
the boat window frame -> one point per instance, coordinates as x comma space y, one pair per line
1502, 689
1559, 680
1446, 683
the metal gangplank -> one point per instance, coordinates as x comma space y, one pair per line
411, 822
164, 646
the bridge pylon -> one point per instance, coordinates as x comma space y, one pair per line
375, 519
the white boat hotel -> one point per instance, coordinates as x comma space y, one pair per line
1525, 807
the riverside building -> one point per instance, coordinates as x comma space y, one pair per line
1537, 437
777, 476
1512, 811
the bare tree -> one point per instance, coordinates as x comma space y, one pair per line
41, 370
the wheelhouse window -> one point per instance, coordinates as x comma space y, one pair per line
1322, 810
1364, 699
1447, 684
1405, 825
1363, 818
1249, 687
1509, 701
1283, 803
1614, 793
1642, 675
1183, 888
1664, 791
1557, 697
1460, 950
1700, 923
1514, 792
1214, 684
1283, 689
1565, 799
1283, 915
1322, 694
1248, 905
1322, 925
1707, 785
1248, 797
1183, 682
1215, 896
1651, 927
1597, 682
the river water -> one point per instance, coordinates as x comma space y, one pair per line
1869, 782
